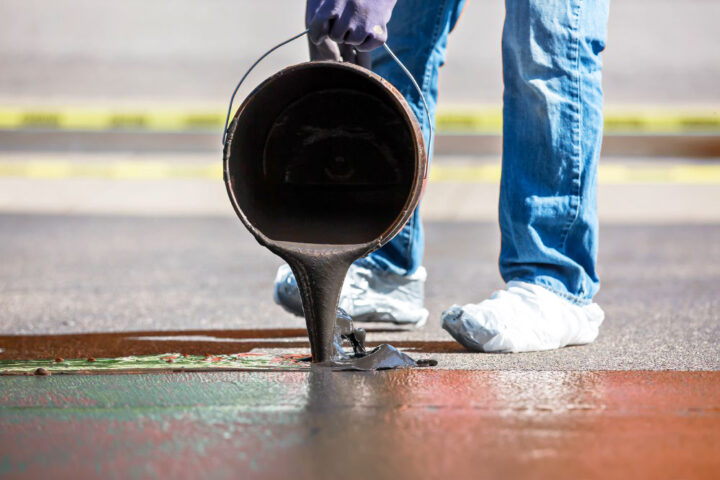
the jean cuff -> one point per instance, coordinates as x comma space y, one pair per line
381, 265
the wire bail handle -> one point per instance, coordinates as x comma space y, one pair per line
295, 37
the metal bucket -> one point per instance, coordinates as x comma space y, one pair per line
324, 162
325, 153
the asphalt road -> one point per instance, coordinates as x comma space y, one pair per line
63, 274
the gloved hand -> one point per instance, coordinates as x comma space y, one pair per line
347, 29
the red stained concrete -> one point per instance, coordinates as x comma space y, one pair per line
401, 424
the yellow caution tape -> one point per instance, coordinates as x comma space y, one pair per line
611, 173
485, 120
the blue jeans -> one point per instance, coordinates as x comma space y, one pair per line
552, 131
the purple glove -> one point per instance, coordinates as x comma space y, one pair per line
360, 23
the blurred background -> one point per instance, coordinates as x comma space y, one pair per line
85, 83
185, 52
115, 109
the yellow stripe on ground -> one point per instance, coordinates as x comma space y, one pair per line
481, 120
646, 120
126, 170
465, 173
108, 120
687, 174
609, 173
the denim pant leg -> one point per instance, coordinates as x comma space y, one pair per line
551, 143
417, 34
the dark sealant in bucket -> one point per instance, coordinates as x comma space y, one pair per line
325, 162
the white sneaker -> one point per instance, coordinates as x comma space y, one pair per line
368, 295
522, 318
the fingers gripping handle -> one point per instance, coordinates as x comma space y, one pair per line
295, 37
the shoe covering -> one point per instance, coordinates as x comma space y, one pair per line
522, 318
368, 295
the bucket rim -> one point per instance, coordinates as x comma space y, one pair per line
421, 156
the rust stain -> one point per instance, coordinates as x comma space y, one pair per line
206, 343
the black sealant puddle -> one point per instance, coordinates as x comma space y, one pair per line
382, 357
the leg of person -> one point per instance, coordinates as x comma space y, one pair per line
389, 284
548, 211
417, 34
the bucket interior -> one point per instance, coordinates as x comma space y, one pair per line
323, 154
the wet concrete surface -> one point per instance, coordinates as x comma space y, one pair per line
105, 286
396, 424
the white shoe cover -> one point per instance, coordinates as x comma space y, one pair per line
368, 295
522, 318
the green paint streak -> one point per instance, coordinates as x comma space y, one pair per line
162, 362
214, 397
7, 465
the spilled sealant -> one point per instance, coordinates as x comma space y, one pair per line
381, 357
320, 271
234, 349
129, 353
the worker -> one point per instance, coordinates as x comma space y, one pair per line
552, 131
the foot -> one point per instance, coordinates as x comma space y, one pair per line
368, 295
522, 318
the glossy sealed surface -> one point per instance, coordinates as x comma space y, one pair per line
407, 423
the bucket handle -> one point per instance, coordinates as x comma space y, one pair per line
295, 37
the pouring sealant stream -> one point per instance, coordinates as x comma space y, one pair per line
320, 272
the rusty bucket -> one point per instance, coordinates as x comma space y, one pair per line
324, 153
324, 162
